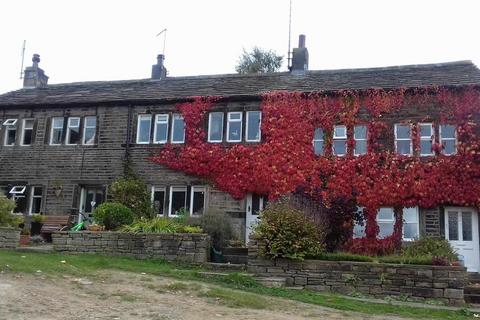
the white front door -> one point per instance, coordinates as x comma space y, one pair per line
461, 230
255, 204
90, 198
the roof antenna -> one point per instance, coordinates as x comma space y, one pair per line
23, 58
289, 53
164, 31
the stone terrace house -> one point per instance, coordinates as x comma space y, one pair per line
62, 144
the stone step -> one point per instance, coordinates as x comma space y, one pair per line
272, 282
471, 298
472, 289
225, 267
237, 251
235, 259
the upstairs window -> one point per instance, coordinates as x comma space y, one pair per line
73, 131
178, 129
254, 119
234, 127
27, 132
426, 139
340, 140
403, 139
160, 132
144, 125
448, 138
360, 137
56, 132
318, 142
215, 127
10, 132
89, 130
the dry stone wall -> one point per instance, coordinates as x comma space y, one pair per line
9, 238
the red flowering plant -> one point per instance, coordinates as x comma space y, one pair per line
285, 160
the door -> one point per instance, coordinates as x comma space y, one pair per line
255, 204
90, 198
461, 230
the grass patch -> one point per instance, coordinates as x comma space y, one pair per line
124, 296
236, 299
90, 264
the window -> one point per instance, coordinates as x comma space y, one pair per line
403, 139
18, 195
215, 127
10, 132
426, 139
56, 131
359, 229
158, 200
234, 127
197, 200
89, 130
318, 142
18, 190
254, 120
178, 129
73, 131
360, 137
27, 132
160, 132
448, 139
339, 140
410, 224
385, 221
144, 125
178, 200
35, 200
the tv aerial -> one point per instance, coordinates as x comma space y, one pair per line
164, 31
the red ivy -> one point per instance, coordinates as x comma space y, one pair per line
285, 161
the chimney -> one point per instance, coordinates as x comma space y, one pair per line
34, 77
158, 70
300, 57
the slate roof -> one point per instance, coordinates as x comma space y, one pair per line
177, 88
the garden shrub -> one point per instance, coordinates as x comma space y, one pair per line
431, 246
289, 233
7, 219
216, 225
112, 215
342, 256
160, 225
132, 193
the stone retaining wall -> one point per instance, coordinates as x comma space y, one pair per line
416, 282
182, 247
9, 238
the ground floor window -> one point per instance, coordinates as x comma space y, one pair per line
19, 195
188, 200
158, 200
197, 200
178, 200
36, 196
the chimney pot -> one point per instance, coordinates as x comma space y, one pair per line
34, 76
301, 41
300, 57
158, 70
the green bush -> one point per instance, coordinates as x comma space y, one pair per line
159, 225
215, 224
132, 193
289, 233
342, 256
430, 247
399, 259
38, 218
112, 215
7, 219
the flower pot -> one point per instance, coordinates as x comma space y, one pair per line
35, 228
24, 239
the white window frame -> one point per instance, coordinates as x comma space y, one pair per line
180, 116
139, 119
170, 213
417, 221
259, 127
164, 189
431, 138
335, 137
8, 128
234, 120
155, 127
356, 225
442, 138
362, 139
18, 190
69, 127
392, 221
403, 139
210, 126
32, 196
192, 192
318, 140
22, 135
53, 128
85, 127
10, 122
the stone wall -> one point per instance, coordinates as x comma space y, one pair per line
376, 279
9, 238
181, 247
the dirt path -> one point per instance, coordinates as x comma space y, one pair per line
120, 295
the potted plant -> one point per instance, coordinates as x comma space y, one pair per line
24, 237
36, 224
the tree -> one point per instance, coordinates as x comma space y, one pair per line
258, 61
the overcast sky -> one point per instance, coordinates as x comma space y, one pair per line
88, 40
